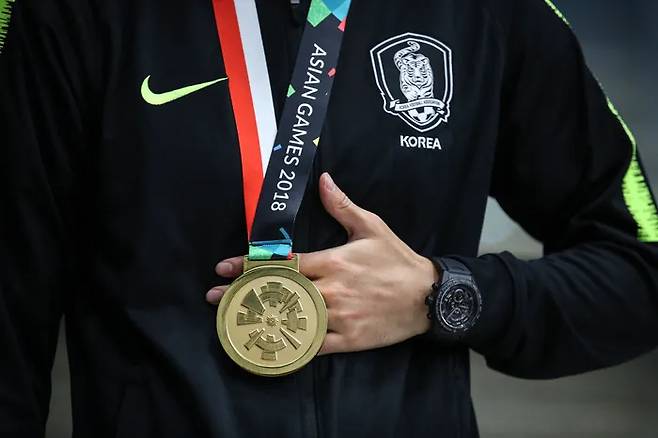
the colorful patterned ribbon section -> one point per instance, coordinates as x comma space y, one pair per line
271, 249
304, 113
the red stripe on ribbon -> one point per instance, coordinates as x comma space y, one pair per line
245, 117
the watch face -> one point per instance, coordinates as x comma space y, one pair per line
459, 306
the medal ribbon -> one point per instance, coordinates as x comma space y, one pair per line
251, 95
285, 156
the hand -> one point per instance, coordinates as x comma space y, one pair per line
374, 286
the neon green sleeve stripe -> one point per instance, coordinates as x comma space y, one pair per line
5, 16
637, 195
557, 12
636, 191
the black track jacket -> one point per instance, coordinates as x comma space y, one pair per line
114, 213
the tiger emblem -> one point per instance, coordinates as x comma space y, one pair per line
416, 75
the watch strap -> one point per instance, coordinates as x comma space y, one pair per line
452, 266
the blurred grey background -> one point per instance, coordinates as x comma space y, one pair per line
620, 39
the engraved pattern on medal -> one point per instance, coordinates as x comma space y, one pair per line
274, 321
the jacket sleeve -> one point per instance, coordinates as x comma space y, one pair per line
568, 170
41, 128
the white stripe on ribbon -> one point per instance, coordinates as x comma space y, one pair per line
259, 80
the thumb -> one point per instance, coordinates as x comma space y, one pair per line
352, 217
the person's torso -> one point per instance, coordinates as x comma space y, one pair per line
410, 135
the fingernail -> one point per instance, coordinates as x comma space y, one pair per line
224, 269
329, 183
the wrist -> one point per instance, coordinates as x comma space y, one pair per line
429, 272
427, 275
455, 304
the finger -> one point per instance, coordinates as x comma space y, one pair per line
214, 295
315, 265
230, 268
324, 285
334, 323
333, 343
354, 219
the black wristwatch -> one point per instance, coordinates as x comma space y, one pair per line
455, 303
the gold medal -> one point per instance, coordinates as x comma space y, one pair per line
272, 320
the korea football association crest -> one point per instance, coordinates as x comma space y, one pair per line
414, 75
